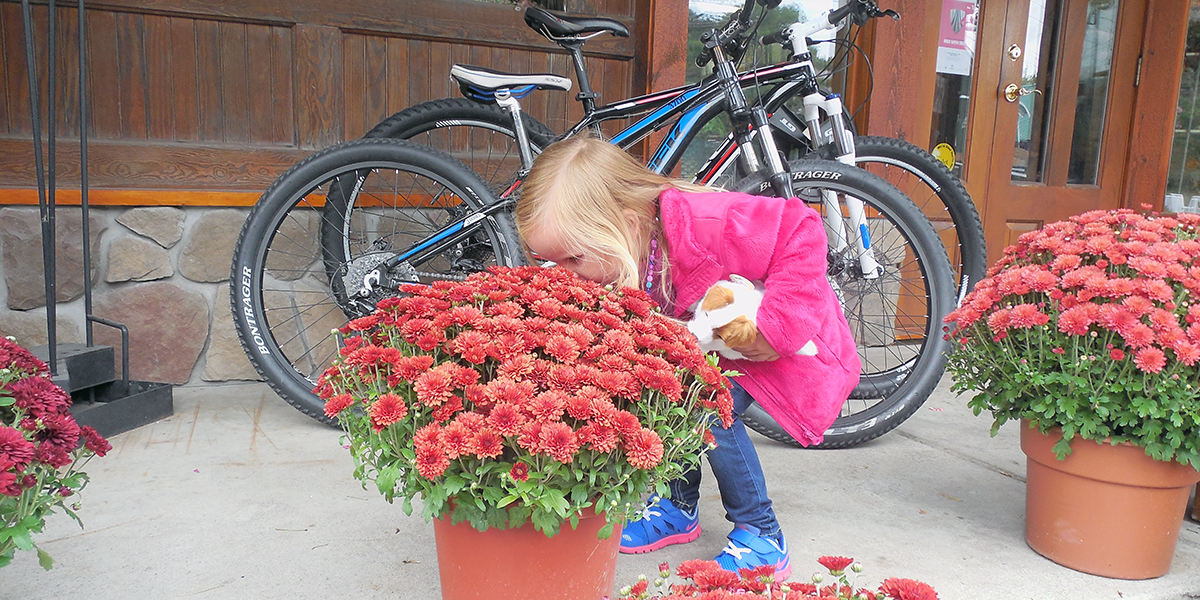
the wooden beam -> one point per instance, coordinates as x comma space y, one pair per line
418, 19
155, 166
661, 60
1154, 103
903, 57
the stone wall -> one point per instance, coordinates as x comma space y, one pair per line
163, 272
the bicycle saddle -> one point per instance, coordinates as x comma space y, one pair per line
556, 27
482, 84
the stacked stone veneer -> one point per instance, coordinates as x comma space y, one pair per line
163, 272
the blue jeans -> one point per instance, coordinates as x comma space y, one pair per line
739, 474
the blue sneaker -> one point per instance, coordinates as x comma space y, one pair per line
659, 525
748, 549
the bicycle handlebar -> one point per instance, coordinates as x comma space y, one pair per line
860, 11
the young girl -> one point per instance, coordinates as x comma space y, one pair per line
594, 210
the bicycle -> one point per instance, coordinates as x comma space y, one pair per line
481, 133
915, 268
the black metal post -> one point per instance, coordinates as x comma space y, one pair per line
83, 179
47, 213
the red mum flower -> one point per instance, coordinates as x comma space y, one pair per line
644, 449
471, 345
835, 564
337, 404
907, 589
506, 419
563, 348
579, 407
447, 411
1024, 316
1150, 360
384, 411
466, 315
513, 392
1077, 320
1187, 353
39, 397
59, 430
434, 387
519, 472
14, 447
517, 367
411, 367
52, 454
599, 437
1138, 305
94, 441
457, 440
547, 406
559, 441
1116, 354
432, 463
1138, 336
487, 444
714, 579
463, 376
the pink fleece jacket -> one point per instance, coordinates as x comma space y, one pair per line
783, 244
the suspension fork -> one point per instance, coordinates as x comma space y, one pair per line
843, 142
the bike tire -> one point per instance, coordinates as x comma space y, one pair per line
926, 180
901, 346
480, 135
283, 302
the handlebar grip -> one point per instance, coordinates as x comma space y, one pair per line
840, 13
704, 57
778, 37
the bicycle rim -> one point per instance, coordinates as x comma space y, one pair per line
325, 224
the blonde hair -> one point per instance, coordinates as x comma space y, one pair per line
581, 187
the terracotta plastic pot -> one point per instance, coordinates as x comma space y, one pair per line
1106, 510
522, 563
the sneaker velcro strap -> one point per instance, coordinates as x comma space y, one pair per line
759, 544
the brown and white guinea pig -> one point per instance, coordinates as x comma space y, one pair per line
725, 318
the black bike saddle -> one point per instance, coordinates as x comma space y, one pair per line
556, 27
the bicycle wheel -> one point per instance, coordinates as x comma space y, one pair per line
344, 210
896, 318
480, 135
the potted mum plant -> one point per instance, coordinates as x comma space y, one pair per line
527, 407
1088, 331
42, 452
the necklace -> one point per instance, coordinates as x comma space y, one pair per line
650, 264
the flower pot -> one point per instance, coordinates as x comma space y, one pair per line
1106, 510
521, 563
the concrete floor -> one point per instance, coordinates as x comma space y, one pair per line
239, 496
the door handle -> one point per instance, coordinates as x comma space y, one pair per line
1013, 91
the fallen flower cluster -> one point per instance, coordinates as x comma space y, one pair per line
523, 394
706, 580
42, 451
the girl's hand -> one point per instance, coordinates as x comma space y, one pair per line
758, 350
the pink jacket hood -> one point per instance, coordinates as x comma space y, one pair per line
783, 244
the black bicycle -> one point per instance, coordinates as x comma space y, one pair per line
345, 227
